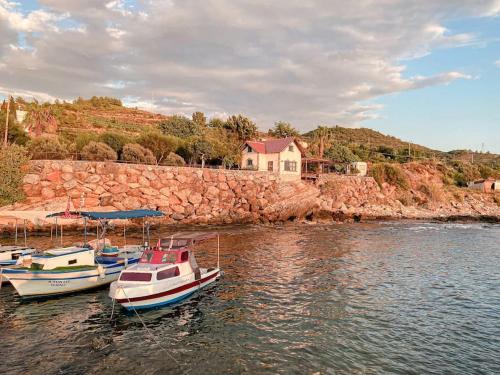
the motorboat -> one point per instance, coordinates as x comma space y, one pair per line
9, 256
64, 270
72, 269
165, 274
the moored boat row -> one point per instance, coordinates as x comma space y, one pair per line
141, 276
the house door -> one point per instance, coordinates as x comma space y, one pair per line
270, 166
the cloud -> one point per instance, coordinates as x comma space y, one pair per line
310, 63
497, 63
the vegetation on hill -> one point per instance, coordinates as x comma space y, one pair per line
101, 128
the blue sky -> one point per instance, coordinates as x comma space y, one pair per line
464, 114
421, 70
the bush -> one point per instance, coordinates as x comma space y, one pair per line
84, 139
12, 160
114, 140
98, 151
433, 192
160, 145
174, 159
389, 173
135, 153
16, 133
43, 148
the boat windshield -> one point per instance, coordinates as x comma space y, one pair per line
158, 257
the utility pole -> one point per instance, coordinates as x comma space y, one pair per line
409, 151
6, 123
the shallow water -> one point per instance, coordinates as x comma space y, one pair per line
378, 298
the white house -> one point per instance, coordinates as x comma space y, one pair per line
282, 156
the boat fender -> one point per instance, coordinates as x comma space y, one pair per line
125, 263
102, 273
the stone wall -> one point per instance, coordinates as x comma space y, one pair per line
187, 195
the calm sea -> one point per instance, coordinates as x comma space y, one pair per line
378, 298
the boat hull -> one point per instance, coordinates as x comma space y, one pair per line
140, 297
46, 283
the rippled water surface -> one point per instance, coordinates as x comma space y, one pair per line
382, 298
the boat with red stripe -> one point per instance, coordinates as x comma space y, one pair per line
166, 273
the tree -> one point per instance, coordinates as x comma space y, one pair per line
83, 139
159, 144
98, 151
216, 123
242, 126
283, 129
322, 136
179, 126
45, 148
41, 120
135, 153
196, 148
15, 133
199, 119
340, 154
12, 160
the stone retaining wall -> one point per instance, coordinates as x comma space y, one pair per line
185, 194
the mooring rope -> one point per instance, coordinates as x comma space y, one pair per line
148, 330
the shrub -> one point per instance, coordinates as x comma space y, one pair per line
433, 192
15, 133
98, 151
114, 140
174, 159
46, 148
496, 199
160, 145
84, 139
12, 160
389, 173
135, 153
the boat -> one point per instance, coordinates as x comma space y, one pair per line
64, 270
9, 256
72, 269
166, 273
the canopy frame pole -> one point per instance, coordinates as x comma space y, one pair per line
15, 237
143, 238
84, 231
25, 235
148, 233
51, 231
56, 229
61, 235
218, 250
124, 235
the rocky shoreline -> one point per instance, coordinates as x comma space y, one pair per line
191, 196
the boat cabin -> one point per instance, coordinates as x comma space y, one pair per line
56, 258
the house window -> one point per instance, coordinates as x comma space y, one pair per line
270, 166
249, 163
290, 148
290, 166
249, 149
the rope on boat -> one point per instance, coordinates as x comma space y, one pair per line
148, 330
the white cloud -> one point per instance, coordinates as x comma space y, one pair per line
497, 63
309, 63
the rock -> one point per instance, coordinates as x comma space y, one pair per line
48, 193
178, 216
67, 168
117, 189
68, 185
131, 203
54, 176
31, 179
93, 179
195, 198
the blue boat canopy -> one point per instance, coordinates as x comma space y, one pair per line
132, 214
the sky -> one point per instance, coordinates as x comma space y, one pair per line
425, 71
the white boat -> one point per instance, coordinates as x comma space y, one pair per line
165, 274
9, 256
64, 270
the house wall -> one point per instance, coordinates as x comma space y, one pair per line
287, 155
245, 155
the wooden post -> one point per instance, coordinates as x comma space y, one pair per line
15, 240
218, 250
6, 134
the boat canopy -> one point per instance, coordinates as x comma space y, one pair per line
185, 239
110, 215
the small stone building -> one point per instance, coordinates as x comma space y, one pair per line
282, 156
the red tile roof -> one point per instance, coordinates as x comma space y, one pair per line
270, 146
